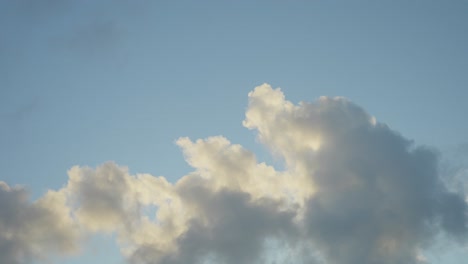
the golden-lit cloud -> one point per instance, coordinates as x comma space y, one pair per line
352, 191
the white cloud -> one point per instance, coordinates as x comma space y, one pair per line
352, 191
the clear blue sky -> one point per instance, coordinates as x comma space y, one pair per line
84, 82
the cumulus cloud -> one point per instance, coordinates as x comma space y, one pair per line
352, 191
31, 231
377, 198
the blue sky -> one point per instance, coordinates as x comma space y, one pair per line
85, 82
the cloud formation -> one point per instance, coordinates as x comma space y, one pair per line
31, 231
352, 191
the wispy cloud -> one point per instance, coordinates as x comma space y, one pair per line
21, 113
352, 191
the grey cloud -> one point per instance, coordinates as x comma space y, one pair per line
23, 112
378, 199
87, 28
352, 191
94, 38
230, 228
102, 199
33, 231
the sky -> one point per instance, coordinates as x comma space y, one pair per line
174, 132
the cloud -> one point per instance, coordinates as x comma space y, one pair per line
352, 191
377, 197
32, 231
102, 199
94, 38
88, 28
21, 113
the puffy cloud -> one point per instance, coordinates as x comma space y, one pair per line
377, 198
102, 197
226, 226
31, 231
352, 191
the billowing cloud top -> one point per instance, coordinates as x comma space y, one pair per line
352, 191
